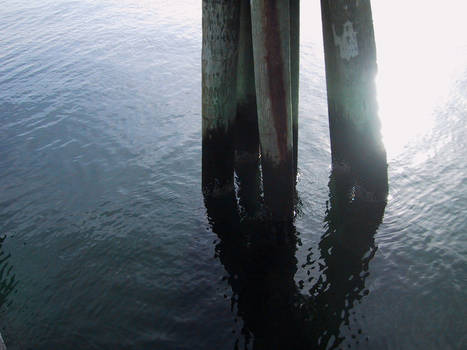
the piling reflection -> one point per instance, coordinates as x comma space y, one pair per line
260, 259
352, 218
261, 264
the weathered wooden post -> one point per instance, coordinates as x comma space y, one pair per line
246, 124
247, 138
350, 57
271, 49
295, 72
219, 104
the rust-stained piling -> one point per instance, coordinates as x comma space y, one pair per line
219, 104
271, 48
350, 57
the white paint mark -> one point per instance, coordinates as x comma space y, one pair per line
347, 42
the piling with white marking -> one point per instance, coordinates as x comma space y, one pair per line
350, 59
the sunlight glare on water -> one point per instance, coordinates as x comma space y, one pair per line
419, 44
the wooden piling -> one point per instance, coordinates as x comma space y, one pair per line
271, 49
219, 104
295, 72
350, 58
246, 124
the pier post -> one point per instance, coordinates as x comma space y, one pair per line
350, 59
295, 72
246, 123
219, 104
271, 49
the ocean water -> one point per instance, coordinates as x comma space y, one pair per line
108, 244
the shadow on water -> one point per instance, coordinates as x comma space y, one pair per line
259, 257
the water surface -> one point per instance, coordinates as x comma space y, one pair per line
108, 242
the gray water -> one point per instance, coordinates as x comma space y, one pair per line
107, 240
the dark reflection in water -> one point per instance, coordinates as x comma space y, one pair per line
261, 264
8, 280
352, 217
259, 257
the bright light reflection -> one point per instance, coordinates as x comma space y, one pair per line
419, 44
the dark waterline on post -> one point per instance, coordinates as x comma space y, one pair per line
271, 48
219, 83
247, 160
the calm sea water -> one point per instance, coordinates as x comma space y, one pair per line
107, 240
